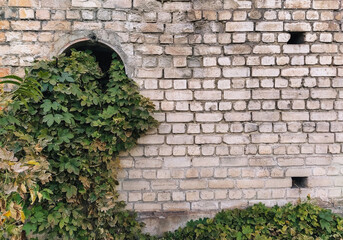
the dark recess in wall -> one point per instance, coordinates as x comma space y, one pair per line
299, 182
102, 52
297, 38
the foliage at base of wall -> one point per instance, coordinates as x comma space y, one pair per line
86, 118
304, 221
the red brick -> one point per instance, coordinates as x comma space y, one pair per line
22, 3
4, 25
57, 25
4, 72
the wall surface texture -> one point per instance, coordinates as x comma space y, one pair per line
242, 109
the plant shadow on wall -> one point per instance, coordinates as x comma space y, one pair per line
63, 150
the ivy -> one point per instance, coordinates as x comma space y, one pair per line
301, 221
86, 118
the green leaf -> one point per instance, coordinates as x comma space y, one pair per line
65, 136
49, 119
58, 118
65, 77
46, 106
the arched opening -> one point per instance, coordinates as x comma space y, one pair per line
102, 52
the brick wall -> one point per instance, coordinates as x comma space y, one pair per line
249, 94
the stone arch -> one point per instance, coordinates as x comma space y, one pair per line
101, 37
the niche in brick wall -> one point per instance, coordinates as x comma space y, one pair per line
102, 52
299, 182
296, 38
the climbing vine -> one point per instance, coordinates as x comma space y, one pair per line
85, 119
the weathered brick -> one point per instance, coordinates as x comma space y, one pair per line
207, 95
236, 139
265, 116
22, 3
136, 185
208, 117
177, 28
295, 116
207, 50
237, 117
181, 95
177, 162
326, 4
293, 138
264, 138
319, 182
211, 72
236, 72
285, 162
163, 184
323, 116
295, 94
178, 51
218, 184
324, 48
278, 183
265, 94
176, 206
323, 72
323, 93
297, 4
57, 26
86, 3
117, 4
25, 25
238, 49
260, 161
4, 71
265, 72
321, 138
239, 27
180, 117
325, 26
205, 205
150, 49
268, 4
4, 25
296, 48
151, 139
295, 72
250, 183
149, 73
55, 4
269, 26
267, 49
208, 139
148, 163
177, 73
298, 27
205, 162
193, 184
180, 139
322, 160
237, 94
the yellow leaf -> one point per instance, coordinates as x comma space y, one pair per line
7, 214
39, 196
22, 216
32, 162
23, 188
33, 196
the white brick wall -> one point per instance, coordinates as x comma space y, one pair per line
241, 110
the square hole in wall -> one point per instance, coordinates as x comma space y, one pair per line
296, 38
299, 182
